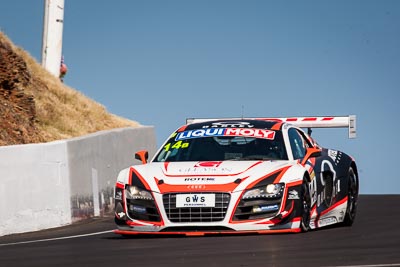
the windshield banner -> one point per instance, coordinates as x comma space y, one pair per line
245, 132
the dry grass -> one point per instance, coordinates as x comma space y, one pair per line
63, 112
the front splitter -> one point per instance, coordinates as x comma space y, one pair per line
203, 233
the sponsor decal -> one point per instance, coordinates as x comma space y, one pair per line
201, 170
327, 221
335, 156
293, 194
200, 133
195, 200
230, 124
206, 166
138, 209
260, 133
199, 179
211, 164
245, 132
332, 154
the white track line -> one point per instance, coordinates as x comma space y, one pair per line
370, 265
56, 238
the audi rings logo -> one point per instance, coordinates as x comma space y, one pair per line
196, 187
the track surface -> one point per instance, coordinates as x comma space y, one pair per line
373, 240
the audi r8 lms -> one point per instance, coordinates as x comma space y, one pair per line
243, 175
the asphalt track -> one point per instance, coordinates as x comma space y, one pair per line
373, 240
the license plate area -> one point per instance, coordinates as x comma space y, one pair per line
195, 200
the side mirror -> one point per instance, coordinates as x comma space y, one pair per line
142, 155
311, 153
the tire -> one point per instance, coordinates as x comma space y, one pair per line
352, 198
305, 206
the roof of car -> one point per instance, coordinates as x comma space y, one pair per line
233, 123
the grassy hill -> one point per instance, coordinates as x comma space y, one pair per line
37, 107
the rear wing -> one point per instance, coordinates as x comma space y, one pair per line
303, 122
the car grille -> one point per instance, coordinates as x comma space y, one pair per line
196, 214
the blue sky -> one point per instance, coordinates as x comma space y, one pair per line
159, 62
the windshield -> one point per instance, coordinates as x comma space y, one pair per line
181, 147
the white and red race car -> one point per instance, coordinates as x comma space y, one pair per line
240, 175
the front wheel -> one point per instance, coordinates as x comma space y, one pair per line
352, 197
305, 206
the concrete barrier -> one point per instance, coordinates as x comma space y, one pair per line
53, 184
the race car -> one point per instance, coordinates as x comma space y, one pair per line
239, 176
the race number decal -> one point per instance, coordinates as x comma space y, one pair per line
176, 145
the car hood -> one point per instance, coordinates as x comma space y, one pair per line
207, 175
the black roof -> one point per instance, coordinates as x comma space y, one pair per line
231, 123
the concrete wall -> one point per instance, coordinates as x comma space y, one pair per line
53, 184
94, 165
34, 187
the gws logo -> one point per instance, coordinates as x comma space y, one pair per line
195, 199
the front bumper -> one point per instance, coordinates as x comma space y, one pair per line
231, 215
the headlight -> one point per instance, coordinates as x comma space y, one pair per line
270, 190
273, 188
134, 192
